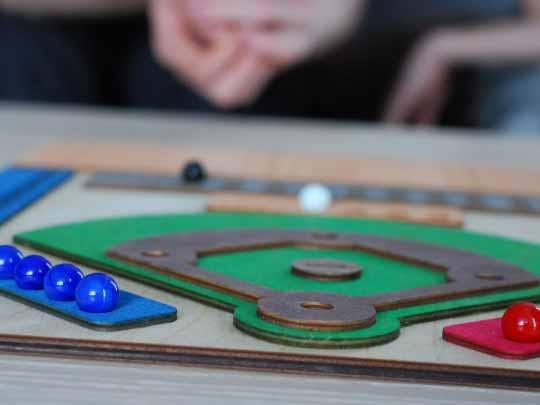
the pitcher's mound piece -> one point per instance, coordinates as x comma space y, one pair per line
308, 281
515, 336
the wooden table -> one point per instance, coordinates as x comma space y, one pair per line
55, 381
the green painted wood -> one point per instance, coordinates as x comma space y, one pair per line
88, 242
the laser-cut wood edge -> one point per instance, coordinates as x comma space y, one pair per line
467, 273
233, 162
303, 364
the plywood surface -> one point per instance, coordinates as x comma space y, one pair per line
200, 326
126, 384
27, 379
422, 214
233, 162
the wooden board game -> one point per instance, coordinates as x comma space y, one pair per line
205, 335
213, 257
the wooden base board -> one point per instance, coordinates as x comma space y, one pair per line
422, 214
428, 373
204, 336
237, 163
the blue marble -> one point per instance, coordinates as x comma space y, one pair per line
131, 311
10, 257
30, 272
61, 281
97, 293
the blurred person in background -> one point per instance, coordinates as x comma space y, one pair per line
502, 57
463, 62
176, 57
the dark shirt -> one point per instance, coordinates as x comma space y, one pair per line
407, 15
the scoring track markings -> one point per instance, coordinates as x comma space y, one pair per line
522, 204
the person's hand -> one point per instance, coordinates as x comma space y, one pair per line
219, 66
229, 50
283, 32
422, 88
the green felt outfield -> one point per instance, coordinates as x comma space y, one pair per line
88, 243
273, 270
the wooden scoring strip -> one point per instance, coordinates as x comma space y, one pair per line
422, 214
285, 167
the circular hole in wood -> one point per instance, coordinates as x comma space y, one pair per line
155, 253
490, 277
320, 306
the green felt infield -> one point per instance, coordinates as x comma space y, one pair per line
88, 242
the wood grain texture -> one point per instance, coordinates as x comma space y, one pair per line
422, 214
28, 378
276, 362
206, 328
234, 162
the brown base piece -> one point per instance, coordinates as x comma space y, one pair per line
466, 273
317, 311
